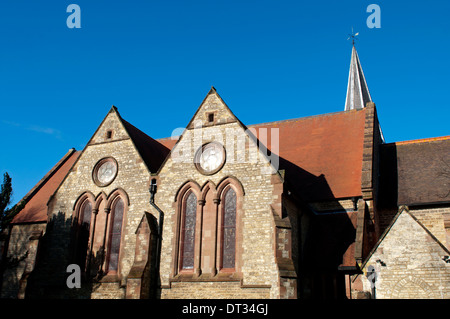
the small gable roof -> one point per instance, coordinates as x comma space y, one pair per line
35, 210
152, 152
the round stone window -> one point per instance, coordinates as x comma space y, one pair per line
210, 158
105, 171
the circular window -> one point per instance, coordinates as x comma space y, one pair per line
210, 158
105, 171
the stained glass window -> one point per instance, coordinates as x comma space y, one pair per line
86, 211
83, 232
229, 229
188, 232
116, 231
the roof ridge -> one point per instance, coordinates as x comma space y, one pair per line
423, 140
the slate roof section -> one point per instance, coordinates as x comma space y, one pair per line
415, 172
35, 210
152, 152
423, 168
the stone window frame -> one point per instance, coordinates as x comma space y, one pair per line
98, 165
208, 121
184, 191
221, 228
222, 188
103, 234
109, 134
77, 217
114, 275
218, 192
183, 231
199, 152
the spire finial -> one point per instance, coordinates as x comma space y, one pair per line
353, 36
357, 91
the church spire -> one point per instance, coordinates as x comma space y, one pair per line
357, 91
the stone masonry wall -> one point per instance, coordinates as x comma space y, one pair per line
258, 264
20, 256
434, 220
214, 290
132, 178
409, 263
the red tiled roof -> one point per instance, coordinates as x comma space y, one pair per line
322, 155
35, 210
168, 141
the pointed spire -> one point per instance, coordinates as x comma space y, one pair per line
357, 91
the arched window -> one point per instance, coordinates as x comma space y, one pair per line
115, 234
85, 212
84, 218
188, 231
229, 229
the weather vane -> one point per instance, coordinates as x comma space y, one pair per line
353, 36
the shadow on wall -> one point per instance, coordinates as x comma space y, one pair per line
61, 246
12, 264
327, 241
49, 278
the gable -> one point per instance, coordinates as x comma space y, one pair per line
135, 156
114, 128
407, 239
215, 106
215, 122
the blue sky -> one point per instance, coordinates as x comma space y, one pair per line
156, 60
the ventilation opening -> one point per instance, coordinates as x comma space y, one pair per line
109, 134
211, 117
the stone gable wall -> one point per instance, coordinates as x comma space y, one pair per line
409, 262
132, 178
258, 264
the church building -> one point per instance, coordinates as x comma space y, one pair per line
313, 207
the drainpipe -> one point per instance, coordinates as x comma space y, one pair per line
152, 191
